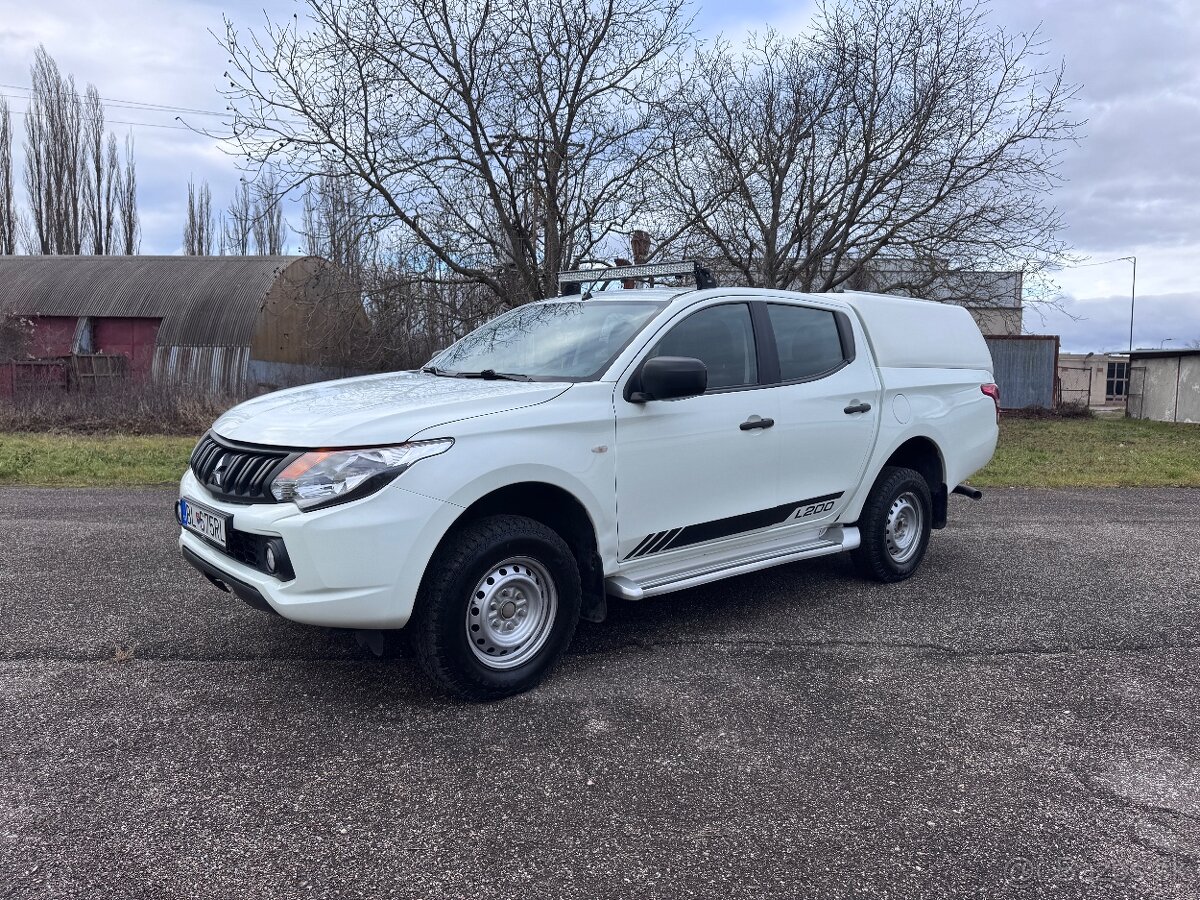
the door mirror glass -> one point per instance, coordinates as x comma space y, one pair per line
671, 377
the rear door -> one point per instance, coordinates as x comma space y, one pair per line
829, 397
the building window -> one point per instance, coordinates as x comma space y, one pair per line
1116, 385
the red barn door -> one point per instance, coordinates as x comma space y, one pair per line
131, 337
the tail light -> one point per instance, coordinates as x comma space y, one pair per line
993, 391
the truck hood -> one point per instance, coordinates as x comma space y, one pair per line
374, 409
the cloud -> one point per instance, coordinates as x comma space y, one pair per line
159, 53
1102, 323
1130, 182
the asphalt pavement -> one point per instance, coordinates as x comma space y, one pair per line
1020, 720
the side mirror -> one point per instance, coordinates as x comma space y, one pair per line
670, 377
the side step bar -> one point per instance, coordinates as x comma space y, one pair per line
626, 588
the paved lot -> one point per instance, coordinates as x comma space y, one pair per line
1022, 720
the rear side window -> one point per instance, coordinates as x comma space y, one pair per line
722, 337
807, 341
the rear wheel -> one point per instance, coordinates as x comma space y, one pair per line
497, 608
894, 526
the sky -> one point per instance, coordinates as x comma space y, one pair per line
1132, 183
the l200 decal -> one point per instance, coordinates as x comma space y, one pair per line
674, 538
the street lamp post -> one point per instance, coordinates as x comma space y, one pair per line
1132, 297
1163, 342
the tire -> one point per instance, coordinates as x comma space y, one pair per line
497, 608
894, 526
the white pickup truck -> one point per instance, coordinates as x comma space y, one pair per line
625, 444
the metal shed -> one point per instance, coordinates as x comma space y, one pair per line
1164, 385
232, 324
1026, 368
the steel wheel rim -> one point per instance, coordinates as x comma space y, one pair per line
510, 613
905, 522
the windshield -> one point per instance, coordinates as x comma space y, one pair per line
569, 341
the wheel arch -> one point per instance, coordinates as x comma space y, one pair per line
922, 454
563, 512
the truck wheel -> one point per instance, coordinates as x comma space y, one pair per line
497, 608
894, 526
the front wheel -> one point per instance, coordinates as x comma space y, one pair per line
894, 526
497, 608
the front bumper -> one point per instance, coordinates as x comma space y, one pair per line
247, 592
357, 565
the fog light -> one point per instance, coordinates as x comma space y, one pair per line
272, 561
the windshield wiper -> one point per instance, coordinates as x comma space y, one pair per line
493, 375
486, 374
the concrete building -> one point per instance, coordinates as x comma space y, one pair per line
993, 298
231, 324
1164, 385
1095, 379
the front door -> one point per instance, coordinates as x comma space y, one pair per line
698, 469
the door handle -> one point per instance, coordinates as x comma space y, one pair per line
857, 408
756, 422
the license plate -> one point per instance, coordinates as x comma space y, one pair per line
203, 521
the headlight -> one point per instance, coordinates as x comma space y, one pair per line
325, 477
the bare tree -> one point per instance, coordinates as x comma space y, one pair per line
73, 175
53, 154
8, 201
100, 174
506, 139
895, 142
131, 229
337, 224
238, 224
200, 229
267, 225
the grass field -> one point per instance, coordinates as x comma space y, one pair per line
1100, 452
1105, 452
71, 460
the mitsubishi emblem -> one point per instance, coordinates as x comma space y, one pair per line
219, 472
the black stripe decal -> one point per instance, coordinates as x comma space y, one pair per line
665, 543
668, 536
721, 528
644, 543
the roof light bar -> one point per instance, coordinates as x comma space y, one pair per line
571, 282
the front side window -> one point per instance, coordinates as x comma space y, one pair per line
571, 341
807, 340
721, 337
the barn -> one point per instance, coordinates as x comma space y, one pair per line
226, 324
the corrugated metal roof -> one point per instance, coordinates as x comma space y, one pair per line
202, 300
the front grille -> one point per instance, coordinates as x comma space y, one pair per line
238, 473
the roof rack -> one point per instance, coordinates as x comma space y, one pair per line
572, 282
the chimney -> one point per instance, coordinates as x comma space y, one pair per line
641, 246
628, 284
